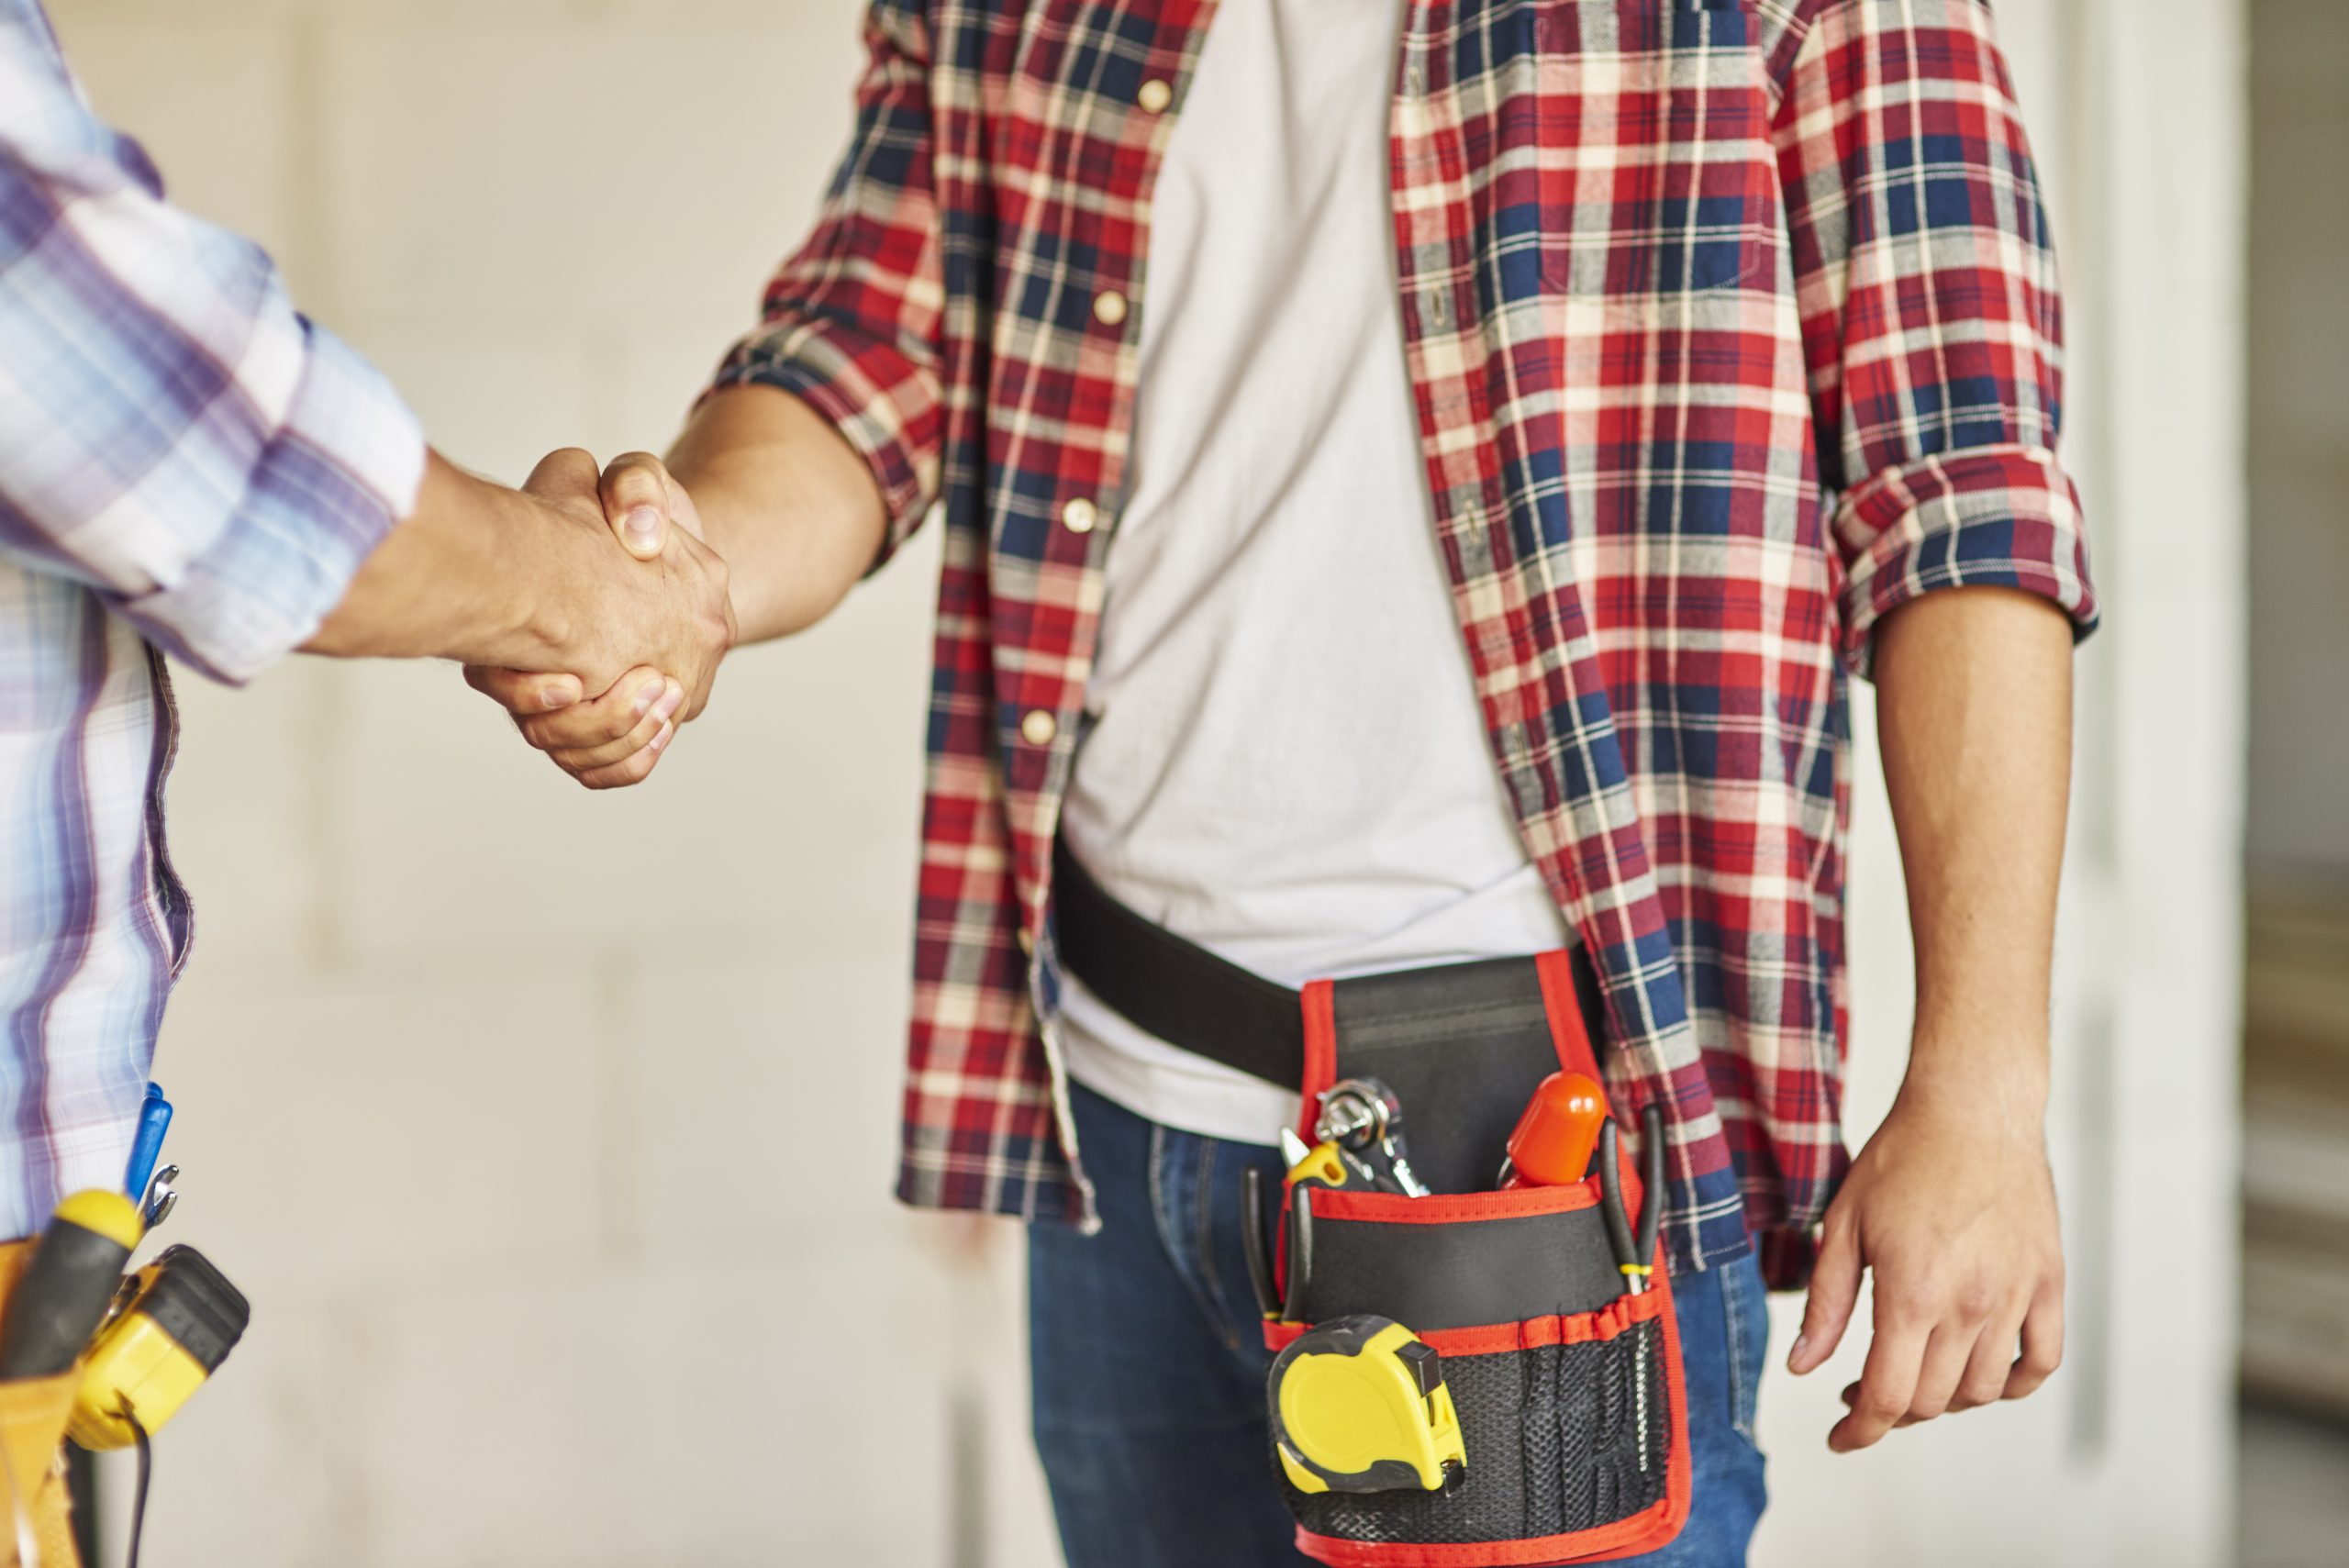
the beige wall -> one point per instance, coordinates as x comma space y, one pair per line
552, 1132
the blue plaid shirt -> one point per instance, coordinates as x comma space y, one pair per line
187, 467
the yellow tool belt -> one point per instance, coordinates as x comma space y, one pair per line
33, 1413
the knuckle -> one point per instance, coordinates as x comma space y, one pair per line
1976, 1300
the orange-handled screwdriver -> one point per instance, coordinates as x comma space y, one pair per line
1553, 1143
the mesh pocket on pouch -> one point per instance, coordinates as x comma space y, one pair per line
1560, 1437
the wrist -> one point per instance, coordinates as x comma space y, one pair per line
540, 621
545, 595
484, 547
1991, 1078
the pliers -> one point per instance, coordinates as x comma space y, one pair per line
1635, 1258
1255, 1242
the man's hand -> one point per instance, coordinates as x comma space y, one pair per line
618, 737
670, 610
1952, 1206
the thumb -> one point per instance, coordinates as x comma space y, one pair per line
1835, 1291
636, 502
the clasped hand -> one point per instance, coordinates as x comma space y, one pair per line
666, 627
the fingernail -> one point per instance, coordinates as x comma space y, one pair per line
661, 740
554, 697
643, 526
1793, 1352
669, 702
646, 696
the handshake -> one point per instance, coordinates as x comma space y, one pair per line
624, 647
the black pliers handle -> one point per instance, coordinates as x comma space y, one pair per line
1635, 1258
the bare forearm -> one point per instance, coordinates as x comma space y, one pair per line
460, 578
786, 500
1975, 716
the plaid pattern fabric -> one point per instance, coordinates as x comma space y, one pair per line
1733, 326
185, 465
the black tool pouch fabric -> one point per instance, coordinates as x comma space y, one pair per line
1566, 1379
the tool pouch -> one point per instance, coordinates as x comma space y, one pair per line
1567, 1383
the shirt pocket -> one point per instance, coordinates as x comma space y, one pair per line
1654, 150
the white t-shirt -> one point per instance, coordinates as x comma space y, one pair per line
1285, 759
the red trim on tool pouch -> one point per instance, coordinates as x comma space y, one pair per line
1568, 1032
1453, 1208
1369, 1207
1580, 1328
1320, 1050
1499, 1338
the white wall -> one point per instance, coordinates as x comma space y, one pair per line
550, 1133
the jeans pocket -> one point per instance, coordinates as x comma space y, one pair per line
1745, 1308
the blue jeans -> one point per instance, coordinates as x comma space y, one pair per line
1149, 1369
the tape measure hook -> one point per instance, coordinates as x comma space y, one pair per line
160, 1199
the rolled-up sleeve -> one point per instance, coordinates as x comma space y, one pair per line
1931, 315
851, 320
173, 434
341, 468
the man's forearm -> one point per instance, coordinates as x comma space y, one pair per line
459, 578
1975, 716
786, 500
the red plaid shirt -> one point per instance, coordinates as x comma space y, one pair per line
1733, 326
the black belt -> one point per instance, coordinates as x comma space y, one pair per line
1189, 997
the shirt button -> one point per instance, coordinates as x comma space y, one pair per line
1079, 516
1038, 728
1154, 96
1108, 307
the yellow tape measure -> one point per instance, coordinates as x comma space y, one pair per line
178, 1320
1359, 1404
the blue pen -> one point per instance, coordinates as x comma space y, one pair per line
146, 1145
